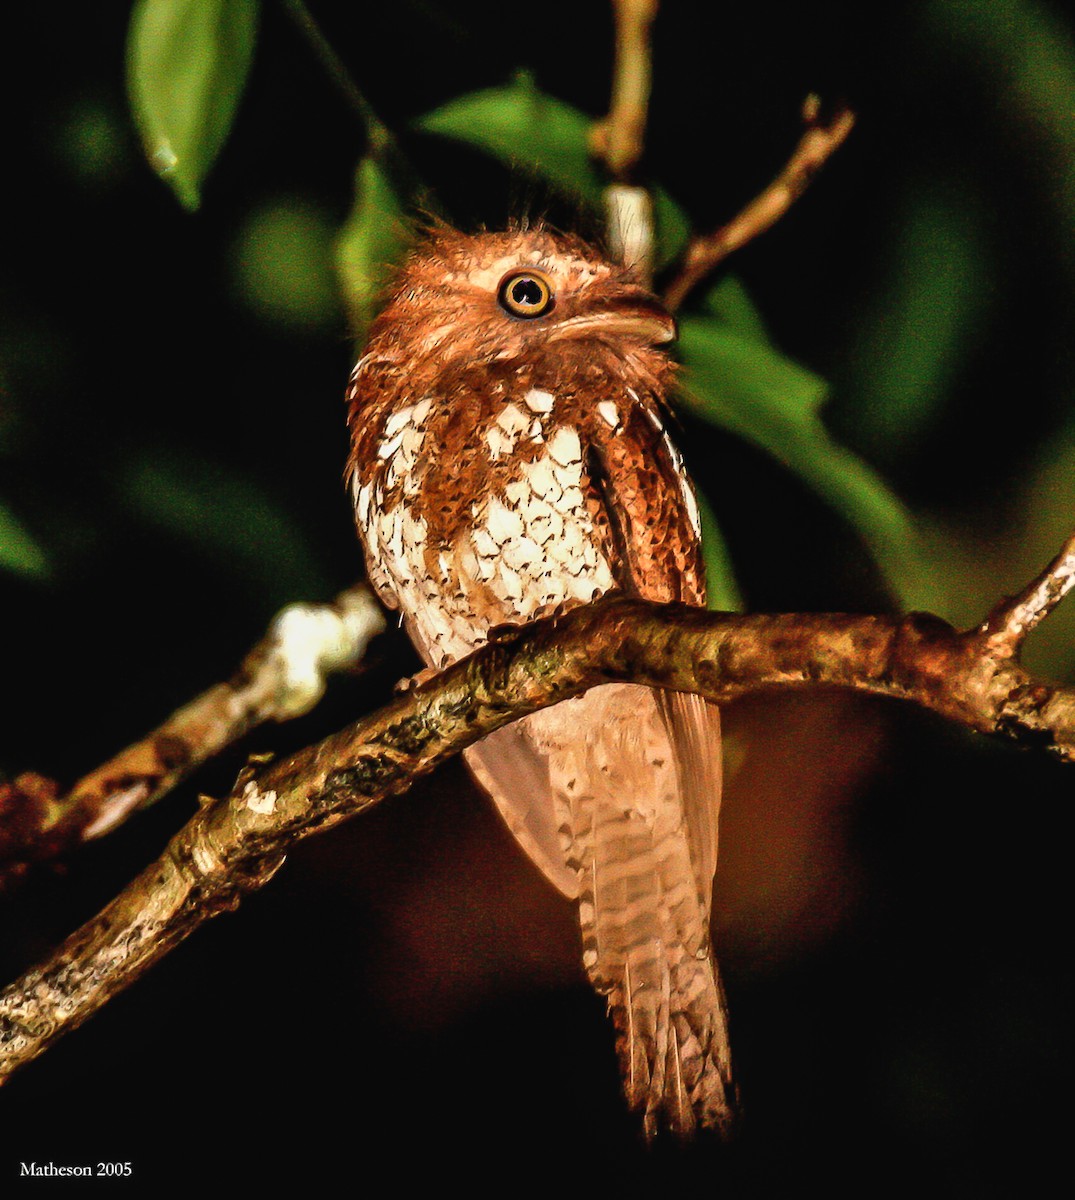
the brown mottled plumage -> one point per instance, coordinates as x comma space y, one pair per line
508, 460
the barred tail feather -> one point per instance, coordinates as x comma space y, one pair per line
643, 913
648, 954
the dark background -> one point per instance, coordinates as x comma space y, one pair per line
406, 996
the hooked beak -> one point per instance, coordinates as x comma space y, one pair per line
632, 313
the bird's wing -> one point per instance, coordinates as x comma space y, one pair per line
639, 479
645, 518
516, 774
694, 724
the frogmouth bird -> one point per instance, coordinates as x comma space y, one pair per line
510, 459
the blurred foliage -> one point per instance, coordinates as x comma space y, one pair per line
223, 516
529, 130
926, 318
372, 239
722, 591
283, 264
738, 381
90, 142
187, 62
18, 550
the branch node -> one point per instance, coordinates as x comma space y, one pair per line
619, 139
1005, 629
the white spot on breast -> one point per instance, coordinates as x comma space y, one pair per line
412, 439
546, 525
414, 532
392, 536
511, 584
542, 480
564, 446
586, 588
512, 420
467, 559
521, 553
609, 413
569, 476
497, 442
483, 542
517, 492
539, 401
502, 522
568, 550
388, 446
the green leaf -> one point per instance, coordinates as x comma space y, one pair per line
747, 387
673, 228
730, 303
519, 124
18, 550
524, 127
372, 240
187, 63
722, 590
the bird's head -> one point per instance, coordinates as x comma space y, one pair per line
495, 297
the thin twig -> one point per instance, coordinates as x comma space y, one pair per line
815, 147
618, 139
281, 678
631, 235
234, 845
1008, 624
377, 132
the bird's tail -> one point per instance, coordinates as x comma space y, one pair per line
644, 914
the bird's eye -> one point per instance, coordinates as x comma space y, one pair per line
525, 294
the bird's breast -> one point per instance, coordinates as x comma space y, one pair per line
477, 513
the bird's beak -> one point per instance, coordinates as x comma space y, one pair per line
631, 312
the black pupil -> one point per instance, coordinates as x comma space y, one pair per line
527, 293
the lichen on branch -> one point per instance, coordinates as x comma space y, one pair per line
282, 677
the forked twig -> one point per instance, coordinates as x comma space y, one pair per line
1007, 626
